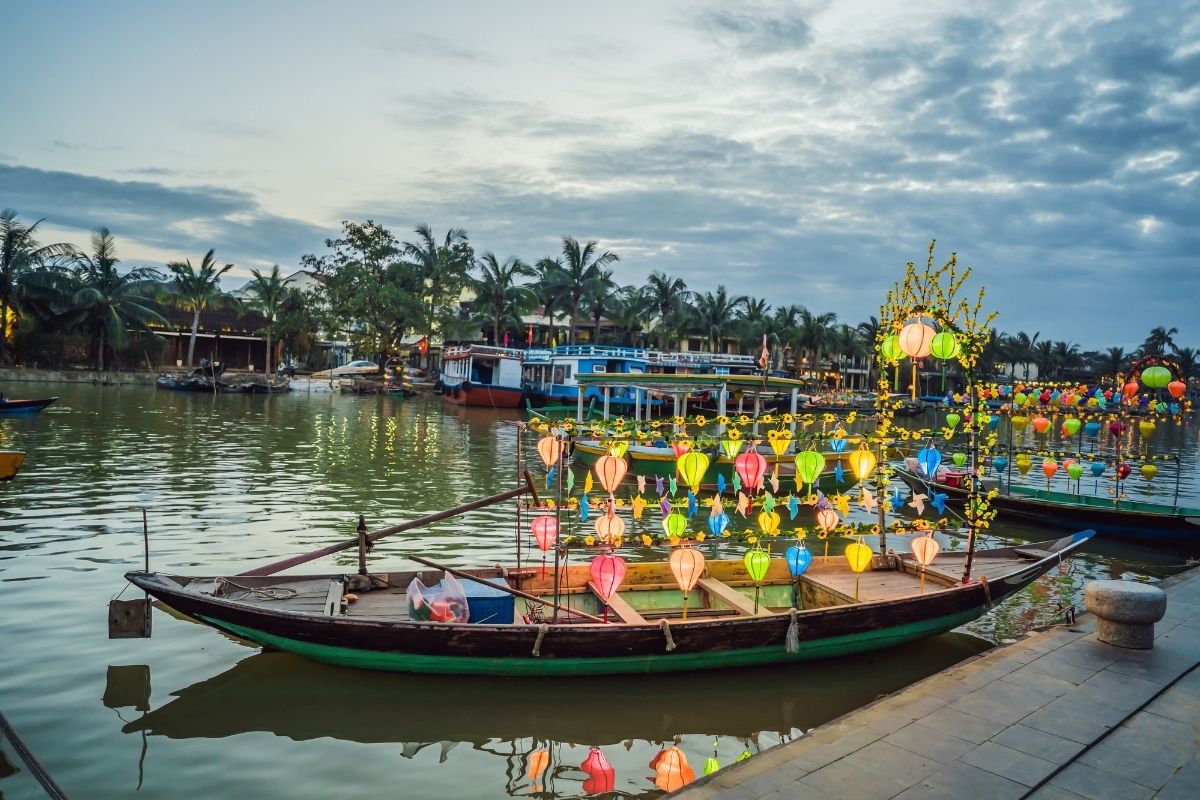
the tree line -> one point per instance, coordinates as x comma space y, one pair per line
375, 289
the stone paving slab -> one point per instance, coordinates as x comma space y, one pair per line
1055, 716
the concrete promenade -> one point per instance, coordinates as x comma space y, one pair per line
1056, 716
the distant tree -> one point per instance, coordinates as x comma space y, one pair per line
300, 317
581, 268
597, 297
715, 314
548, 287
444, 269
627, 310
1111, 362
666, 297
500, 300
20, 252
267, 295
196, 289
1159, 341
107, 304
814, 333
1185, 359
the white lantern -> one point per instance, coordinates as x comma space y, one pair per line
916, 339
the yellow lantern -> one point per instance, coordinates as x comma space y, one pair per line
768, 521
687, 565
862, 461
1019, 423
1146, 428
916, 339
618, 448
827, 519
550, 449
1149, 471
731, 447
692, 466
610, 471
780, 441
859, 556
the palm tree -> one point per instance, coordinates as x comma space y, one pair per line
1185, 359
442, 267
548, 289
1043, 358
597, 297
868, 331
627, 310
196, 289
20, 252
107, 304
665, 296
580, 268
847, 344
715, 314
1023, 349
267, 295
500, 299
1159, 340
813, 334
1110, 363
1066, 356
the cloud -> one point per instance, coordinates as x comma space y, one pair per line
758, 31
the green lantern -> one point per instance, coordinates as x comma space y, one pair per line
809, 465
757, 563
1075, 470
1071, 426
891, 348
944, 346
731, 447
1156, 377
952, 420
675, 524
959, 459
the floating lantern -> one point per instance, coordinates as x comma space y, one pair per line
768, 521
674, 524
1024, 462
687, 565
1075, 470
1149, 471
1156, 377
1097, 468
1000, 463
827, 519
538, 761
1049, 466
1129, 389
1116, 427
1177, 388
859, 556
809, 466
1040, 424
1019, 423
1146, 428
916, 339
717, 523
545, 533
925, 549
751, 467
959, 459
692, 467
1123, 471
606, 573
681, 446
550, 449
891, 348
862, 461
944, 346
671, 770
952, 420
601, 775
610, 528
610, 471
1071, 426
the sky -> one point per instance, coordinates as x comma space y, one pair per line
801, 152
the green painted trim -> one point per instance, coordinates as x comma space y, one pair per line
609, 665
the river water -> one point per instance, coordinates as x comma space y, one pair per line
237, 480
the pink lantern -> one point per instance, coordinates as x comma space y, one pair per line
545, 533
1116, 427
602, 777
751, 467
1123, 471
607, 572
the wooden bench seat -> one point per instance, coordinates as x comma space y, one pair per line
624, 611
731, 597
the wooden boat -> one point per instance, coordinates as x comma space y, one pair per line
482, 376
10, 463
1127, 519
25, 406
308, 614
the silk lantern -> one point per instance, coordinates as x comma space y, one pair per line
1156, 377
1123, 471
757, 563
730, 447
827, 519
952, 420
1129, 389
1116, 427
780, 442
1049, 466
717, 523
681, 446
891, 348
606, 573
610, 528
610, 471
751, 467
674, 524
1149, 471
916, 339
1075, 470
1177, 388
538, 761
1019, 423
925, 549
1040, 424
545, 533
862, 461
1071, 426
550, 449
798, 558
1146, 428
1024, 462
768, 521
671, 770
687, 565
618, 448
601, 775
929, 459
1097, 468
859, 556
944, 346
999, 463
692, 467
809, 465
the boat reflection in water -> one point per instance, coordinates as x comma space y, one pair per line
543, 730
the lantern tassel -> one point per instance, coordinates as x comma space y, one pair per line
666, 629
791, 642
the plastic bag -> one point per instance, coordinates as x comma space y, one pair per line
444, 601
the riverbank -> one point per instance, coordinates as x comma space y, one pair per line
139, 377
1055, 715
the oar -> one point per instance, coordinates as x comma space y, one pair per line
288, 563
501, 587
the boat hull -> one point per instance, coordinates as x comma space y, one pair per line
482, 396
25, 406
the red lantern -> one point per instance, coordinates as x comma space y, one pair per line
1123, 471
607, 572
601, 775
1044, 397
1116, 427
1177, 388
751, 467
545, 533
1129, 389
610, 471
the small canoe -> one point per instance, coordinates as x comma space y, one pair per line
730, 621
25, 406
10, 463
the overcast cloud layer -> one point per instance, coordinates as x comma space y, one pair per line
797, 152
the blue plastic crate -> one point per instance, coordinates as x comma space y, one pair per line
487, 605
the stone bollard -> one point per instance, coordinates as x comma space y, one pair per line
1127, 612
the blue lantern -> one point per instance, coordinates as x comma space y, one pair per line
1092, 428
929, 459
798, 558
1097, 468
994, 421
1000, 463
718, 524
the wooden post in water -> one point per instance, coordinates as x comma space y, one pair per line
363, 545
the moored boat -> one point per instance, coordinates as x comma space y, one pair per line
482, 376
25, 406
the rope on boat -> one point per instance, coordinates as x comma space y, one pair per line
987, 590
537, 643
35, 767
269, 593
666, 629
791, 642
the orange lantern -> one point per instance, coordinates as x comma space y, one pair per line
610, 528
610, 471
545, 533
1040, 424
1177, 388
681, 446
925, 549
916, 339
751, 467
671, 770
687, 565
1129, 389
538, 761
606, 573
1049, 466
550, 449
